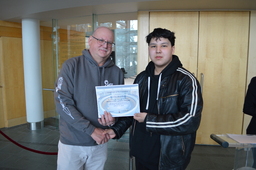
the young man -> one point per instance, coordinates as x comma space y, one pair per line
82, 138
163, 135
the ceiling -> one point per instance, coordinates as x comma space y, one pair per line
46, 10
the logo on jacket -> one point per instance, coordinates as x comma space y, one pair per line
107, 83
59, 84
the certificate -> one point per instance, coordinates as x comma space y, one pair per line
119, 100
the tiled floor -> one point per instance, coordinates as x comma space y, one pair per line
13, 157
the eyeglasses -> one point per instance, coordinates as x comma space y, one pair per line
102, 42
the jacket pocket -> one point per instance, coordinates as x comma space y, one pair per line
172, 151
169, 104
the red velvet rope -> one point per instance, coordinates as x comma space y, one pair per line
24, 147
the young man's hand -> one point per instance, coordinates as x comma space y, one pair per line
140, 117
110, 132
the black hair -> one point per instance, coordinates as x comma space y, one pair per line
161, 33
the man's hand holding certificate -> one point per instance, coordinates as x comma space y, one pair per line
119, 100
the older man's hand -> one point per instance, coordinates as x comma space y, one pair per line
107, 119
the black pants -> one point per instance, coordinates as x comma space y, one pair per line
140, 166
254, 157
251, 131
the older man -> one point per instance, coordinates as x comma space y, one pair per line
82, 142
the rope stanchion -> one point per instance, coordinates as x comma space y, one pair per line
29, 149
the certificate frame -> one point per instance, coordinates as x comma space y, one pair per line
119, 100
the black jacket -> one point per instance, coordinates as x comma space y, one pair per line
250, 106
179, 105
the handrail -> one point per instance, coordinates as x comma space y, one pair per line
48, 89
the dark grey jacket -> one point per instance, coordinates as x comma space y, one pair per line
75, 97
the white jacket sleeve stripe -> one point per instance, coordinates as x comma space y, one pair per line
186, 117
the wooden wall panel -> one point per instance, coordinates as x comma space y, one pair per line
2, 113
185, 26
223, 47
10, 24
10, 29
143, 31
13, 81
10, 32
